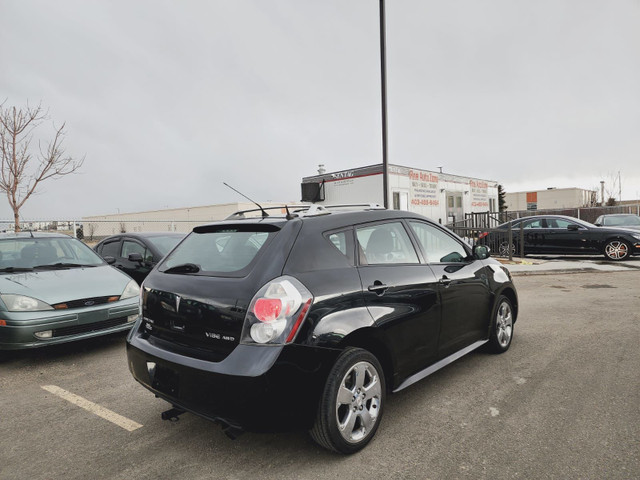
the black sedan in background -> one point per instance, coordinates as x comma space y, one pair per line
556, 234
137, 253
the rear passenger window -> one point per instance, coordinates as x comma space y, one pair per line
438, 246
386, 243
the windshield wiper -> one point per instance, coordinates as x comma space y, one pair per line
16, 269
184, 268
63, 265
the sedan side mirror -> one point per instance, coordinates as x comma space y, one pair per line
572, 227
480, 252
135, 257
109, 260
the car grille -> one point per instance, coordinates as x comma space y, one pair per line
85, 302
88, 327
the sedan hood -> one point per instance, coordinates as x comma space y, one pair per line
56, 286
625, 229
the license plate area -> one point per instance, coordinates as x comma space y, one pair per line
166, 381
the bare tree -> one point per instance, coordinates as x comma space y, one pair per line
21, 172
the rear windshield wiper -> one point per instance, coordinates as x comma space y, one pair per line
63, 265
184, 268
16, 269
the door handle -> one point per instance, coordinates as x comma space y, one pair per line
446, 281
378, 287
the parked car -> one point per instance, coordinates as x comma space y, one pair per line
625, 220
557, 234
55, 289
307, 321
137, 253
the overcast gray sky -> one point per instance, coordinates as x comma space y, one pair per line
169, 99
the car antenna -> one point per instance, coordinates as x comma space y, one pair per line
264, 213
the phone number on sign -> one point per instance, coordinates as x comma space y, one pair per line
425, 202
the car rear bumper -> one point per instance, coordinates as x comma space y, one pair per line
256, 388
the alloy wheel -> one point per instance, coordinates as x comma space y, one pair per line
504, 324
616, 250
358, 402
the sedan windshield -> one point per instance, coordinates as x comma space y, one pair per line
621, 220
20, 254
164, 243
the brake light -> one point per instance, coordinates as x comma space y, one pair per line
267, 309
482, 235
276, 312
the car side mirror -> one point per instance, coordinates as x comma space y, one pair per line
480, 252
572, 227
109, 260
598, 224
135, 257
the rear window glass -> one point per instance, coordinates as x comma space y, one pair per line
222, 251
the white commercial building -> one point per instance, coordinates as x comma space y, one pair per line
442, 197
551, 198
170, 220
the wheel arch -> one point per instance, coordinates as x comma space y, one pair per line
372, 340
510, 293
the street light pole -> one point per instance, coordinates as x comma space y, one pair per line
383, 72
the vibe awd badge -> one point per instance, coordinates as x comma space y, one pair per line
218, 336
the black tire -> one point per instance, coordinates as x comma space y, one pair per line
347, 424
617, 250
502, 321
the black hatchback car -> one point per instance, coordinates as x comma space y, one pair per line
561, 235
137, 253
307, 321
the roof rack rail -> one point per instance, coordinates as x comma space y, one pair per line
306, 210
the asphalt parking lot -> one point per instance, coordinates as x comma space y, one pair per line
562, 403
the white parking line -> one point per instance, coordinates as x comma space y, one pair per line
96, 409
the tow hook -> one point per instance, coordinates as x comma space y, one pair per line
172, 414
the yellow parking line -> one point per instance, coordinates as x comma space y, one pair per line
102, 412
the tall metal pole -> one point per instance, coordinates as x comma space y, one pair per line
383, 71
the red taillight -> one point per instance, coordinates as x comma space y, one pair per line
482, 235
276, 312
267, 309
3, 323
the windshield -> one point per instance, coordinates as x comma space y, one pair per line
222, 251
28, 253
164, 244
621, 220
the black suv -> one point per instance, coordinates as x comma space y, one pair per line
309, 319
